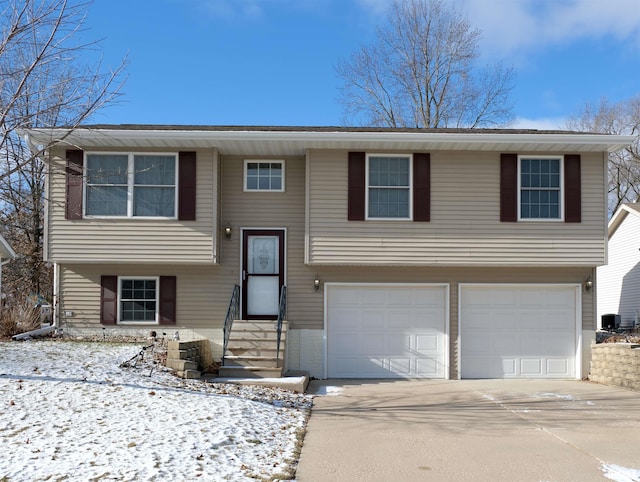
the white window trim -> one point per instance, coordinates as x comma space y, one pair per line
561, 200
270, 161
130, 184
367, 187
157, 299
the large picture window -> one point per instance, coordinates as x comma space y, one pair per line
128, 185
540, 188
389, 187
138, 300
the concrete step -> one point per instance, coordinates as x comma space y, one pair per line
269, 351
242, 360
255, 343
249, 372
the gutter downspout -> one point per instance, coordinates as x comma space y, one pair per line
54, 326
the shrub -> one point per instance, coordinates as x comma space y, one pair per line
19, 318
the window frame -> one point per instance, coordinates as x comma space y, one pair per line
245, 188
156, 320
561, 188
130, 184
368, 157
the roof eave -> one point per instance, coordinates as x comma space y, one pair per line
302, 138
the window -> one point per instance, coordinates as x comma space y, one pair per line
138, 300
388, 187
127, 185
264, 176
540, 188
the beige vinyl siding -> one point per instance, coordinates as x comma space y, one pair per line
282, 210
465, 227
618, 282
199, 303
135, 240
204, 292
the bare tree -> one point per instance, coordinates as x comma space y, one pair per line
422, 72
623, 166
44, 82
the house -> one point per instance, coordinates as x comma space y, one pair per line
404, 252
6, 254
619, 280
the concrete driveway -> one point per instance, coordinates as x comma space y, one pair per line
471, 430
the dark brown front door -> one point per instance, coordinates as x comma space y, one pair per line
262, 273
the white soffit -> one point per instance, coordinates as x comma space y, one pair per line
292, 142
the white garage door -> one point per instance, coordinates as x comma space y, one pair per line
524, 331
386, 331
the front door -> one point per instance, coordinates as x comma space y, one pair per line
262, 273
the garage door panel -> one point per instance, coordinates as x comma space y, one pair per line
531, 367
528, 330
399, 319
352, 318
346, 343
558, 366
506, 366
507, 344
372, 319
428, 343
428, 367
400, 333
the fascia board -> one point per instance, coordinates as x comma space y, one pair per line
610, 143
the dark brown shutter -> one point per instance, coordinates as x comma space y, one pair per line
508, 188
572, 189
108, 300
167, 308
75, 162
357, 179
187, 186
421, 187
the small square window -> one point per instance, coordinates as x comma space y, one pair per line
264, 175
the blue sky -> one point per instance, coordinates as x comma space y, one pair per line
271, 62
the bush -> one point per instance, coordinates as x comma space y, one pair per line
19, 318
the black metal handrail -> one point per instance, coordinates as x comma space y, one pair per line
233, 313
282, 312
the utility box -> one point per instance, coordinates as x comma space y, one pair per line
610, 321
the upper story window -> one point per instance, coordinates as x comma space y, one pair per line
540, 188
130, 185
389, 186
264, 176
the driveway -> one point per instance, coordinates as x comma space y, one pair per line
471, 430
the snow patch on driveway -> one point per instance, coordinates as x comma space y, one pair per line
620, 474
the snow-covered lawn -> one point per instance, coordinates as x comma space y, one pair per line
70, 412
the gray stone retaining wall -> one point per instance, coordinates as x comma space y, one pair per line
616, 364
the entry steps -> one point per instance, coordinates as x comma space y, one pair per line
252, 350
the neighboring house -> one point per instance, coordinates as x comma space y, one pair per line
6, 254
405, 252
619, 280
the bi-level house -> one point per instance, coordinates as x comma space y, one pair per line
404, 252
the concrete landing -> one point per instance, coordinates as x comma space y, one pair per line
294, 383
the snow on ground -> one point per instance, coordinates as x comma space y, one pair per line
69, 411
620, 474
